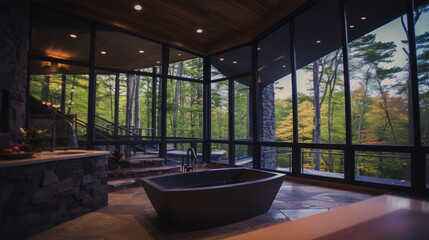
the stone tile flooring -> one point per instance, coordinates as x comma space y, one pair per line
130, 215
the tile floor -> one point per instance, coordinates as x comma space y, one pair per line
130, 216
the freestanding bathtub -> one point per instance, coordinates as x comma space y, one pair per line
209, 198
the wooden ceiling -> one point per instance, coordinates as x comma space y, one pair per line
225, 23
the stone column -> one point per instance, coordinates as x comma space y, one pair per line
14, 45
267, 126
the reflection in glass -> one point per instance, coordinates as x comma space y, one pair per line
276, 158
183, 64
59, 89
232, 63
243, 155
274, 80
116, 49
320, 81
58, 35
322, 162
383, 167
219, 153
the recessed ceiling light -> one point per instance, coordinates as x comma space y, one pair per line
199, 30
179, 54
234, 62
363, 18
318, 41
138, 7
158, 62
103, 52
73, 35
141, 51
284, 66
352, 26
221, 59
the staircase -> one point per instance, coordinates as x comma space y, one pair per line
140, 166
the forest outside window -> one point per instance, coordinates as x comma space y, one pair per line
379, 72
320, 81
59, 88
184, 109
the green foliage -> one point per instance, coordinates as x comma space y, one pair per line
35, 138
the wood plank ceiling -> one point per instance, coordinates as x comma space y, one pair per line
225, 23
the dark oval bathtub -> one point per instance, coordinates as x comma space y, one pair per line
210, 198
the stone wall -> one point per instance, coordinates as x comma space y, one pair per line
14, 45
36, 197
267, 126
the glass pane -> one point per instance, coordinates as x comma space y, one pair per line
233, 63
215, 74
58, 35
136, 96
184, 109
120, 50
243, 155
320, 81
105, 106
242, 111
379, 77
422, 43
177, 152
276, 158
145, 103
322, 162
274, 80
62, 88
219, 110
183, 64
383, 167
219, 153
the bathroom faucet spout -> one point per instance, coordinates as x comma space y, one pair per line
73, 140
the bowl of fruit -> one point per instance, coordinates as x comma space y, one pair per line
15, 152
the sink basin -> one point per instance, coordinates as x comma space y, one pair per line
63, 153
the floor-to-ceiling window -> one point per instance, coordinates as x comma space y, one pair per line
355, 125
231, 114
327, 107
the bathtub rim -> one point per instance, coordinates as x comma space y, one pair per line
275, 175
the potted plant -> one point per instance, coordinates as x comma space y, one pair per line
35, 138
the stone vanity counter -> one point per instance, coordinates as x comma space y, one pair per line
49, 188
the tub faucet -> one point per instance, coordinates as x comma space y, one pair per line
190, 165
73, 138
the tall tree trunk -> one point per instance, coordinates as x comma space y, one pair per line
130, 96
316, 104
385, 107
137, 103
176, 99
360, 122
331, 84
